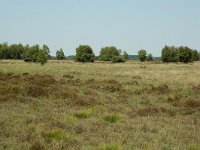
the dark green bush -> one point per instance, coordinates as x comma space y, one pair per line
84, 53
118, 59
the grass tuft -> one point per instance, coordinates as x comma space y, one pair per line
83, 114
111, 118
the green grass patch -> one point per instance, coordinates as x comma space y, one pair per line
111, 118
70, 119
83, 114
57, 134
110, 146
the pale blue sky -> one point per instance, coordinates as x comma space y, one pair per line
128, 24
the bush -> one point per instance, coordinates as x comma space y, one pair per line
179, 54
142, 55
185, 54
170, 54
60, 54
84, 53
42, 57
107, 53
118, 59
195, 55
149, 57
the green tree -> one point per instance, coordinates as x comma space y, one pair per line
149, 57
84, 53
195, 55
185, 54
170, 54
4, 54
142, 55
60, 54
31, 53
42, 56
125, 54
107, 53
47, 50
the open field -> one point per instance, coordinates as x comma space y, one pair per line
67, 105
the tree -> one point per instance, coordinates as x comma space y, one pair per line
42, 56
31, 53
170, 54
125, 54
185, 54
84, 53
4, 51
195, 55
142, 55
46, 49
107, 53
60, 54
149, 57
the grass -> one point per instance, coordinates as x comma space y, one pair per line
68, 105
111, 118
83, 114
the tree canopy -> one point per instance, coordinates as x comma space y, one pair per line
107, 53
84, 53
142, 55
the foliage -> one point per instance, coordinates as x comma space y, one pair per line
185, 54
19, 51
14, 51
118, 59
170, 54
42, 57
125, 54
179, 54
195, 55
142, 55
107, 53
84, 53
149, 57
60, 54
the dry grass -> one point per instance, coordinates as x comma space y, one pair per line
67, 105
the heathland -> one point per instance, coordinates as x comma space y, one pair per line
103, 106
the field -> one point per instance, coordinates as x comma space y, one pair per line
103, 106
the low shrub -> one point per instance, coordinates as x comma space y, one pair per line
118, 59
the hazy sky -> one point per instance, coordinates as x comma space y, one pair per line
130, 25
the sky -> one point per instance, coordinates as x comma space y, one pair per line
130, 25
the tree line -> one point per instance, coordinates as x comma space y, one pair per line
84, 53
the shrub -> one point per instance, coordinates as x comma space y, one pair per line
118, 59
195, 55
142, 55
170, 54
84, 53
60, 54
185, 54
42, 57
149, 57
107, 53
